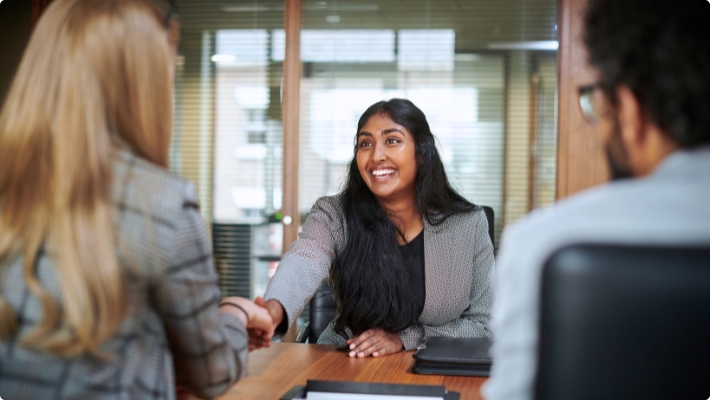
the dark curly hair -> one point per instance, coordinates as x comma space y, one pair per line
660, 49
370, 277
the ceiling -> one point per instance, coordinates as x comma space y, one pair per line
477, 23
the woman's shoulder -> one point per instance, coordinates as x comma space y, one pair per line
141, 185
474, 216
327, 215
154, 210
467, 227
331, 205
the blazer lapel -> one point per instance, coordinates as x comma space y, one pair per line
436, 257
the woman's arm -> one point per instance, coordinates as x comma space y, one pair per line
475, 320
307, 264
209, 347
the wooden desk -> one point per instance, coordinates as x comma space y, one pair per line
273, 371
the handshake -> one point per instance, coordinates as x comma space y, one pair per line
262, 317
259, 317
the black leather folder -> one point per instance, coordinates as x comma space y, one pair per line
454, 356
300, 392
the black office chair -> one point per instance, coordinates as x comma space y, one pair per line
323, 308
322, 311
491, 218
625, 323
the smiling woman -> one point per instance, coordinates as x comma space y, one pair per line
407, 256
386, 160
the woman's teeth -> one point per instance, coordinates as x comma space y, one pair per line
381, 172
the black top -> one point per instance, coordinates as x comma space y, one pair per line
414, 251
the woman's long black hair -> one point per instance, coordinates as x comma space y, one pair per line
370, 277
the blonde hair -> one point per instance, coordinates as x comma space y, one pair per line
96, 73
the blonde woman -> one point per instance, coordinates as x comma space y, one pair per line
107, 285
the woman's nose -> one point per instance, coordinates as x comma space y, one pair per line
378, 153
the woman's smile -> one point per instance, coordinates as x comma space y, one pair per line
381, 175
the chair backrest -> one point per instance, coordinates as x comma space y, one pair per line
323, 307
490, 216
321, 313
623, 322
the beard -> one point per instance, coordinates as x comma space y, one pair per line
616, 155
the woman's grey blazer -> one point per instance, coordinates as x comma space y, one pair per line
458, 262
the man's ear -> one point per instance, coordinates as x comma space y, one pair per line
631, 118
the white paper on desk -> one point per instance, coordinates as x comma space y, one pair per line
360, 396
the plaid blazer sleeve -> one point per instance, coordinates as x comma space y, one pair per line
209, 348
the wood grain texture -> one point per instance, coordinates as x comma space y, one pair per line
273, 371
580, 154
290, 109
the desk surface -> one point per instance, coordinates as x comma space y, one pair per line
273, 371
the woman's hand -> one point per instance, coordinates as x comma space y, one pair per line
259, 338
375, 342
256, 319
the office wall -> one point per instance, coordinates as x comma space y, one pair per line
15, 28
580, 155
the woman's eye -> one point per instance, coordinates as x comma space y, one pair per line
364, 144
391, 141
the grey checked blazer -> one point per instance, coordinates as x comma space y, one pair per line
172, 329
458, 263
